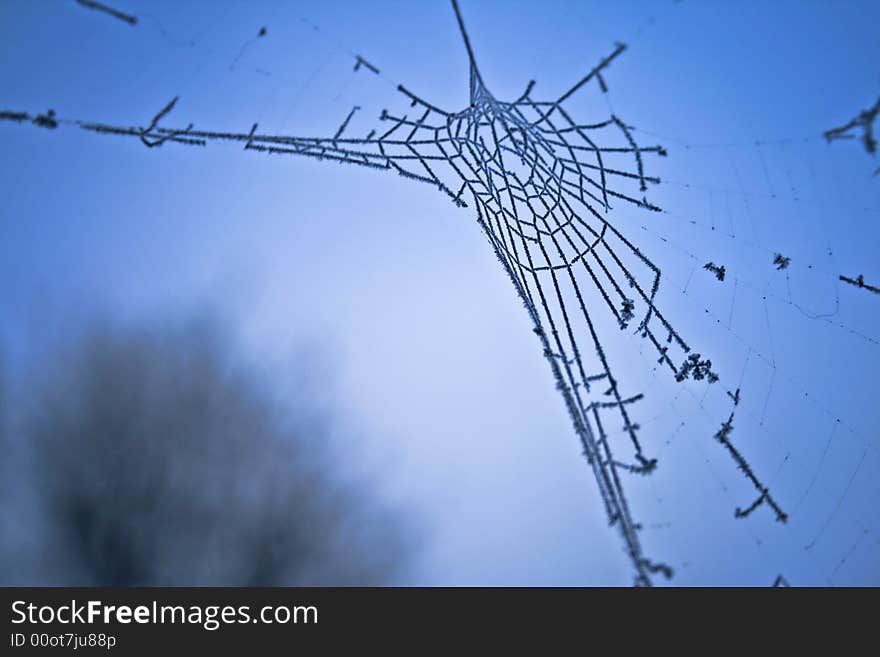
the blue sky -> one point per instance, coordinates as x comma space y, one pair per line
432, 359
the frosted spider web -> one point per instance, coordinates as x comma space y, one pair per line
567, 207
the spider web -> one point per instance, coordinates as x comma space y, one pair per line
772, 312
564, 206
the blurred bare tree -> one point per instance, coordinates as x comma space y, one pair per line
156, 458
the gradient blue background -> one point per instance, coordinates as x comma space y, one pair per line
430, 356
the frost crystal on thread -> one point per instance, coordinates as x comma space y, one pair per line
864, 121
